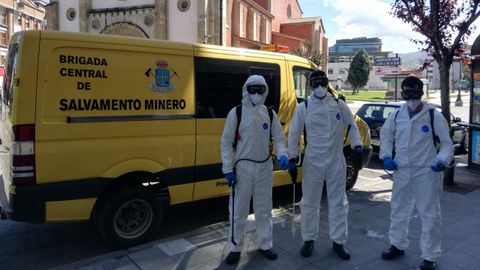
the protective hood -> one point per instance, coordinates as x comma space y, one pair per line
254, 80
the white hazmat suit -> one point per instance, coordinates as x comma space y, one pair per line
253, 178
324, 121
414, 182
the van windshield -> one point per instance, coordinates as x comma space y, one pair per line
7, 91
300, 80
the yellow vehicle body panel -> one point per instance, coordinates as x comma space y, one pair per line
109, 110
69, 210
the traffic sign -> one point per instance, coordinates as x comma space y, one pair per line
379, 70
387, 61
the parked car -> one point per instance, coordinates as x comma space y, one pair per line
375, 114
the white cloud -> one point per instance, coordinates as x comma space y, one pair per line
371, 18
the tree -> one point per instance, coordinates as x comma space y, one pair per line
317, 57
445, 25
359, 71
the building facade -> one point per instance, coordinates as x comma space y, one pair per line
237, 23
17, 15
342, 53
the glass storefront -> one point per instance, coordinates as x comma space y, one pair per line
476, 147
476, 99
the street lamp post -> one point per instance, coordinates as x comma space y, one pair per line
459, 102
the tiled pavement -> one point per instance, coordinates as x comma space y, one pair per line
368, 237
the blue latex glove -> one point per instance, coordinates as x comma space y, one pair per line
292, 170
231, 179
358, 149
438, 167
389, 164
283, 162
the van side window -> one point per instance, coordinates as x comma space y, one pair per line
300, 80
219, 83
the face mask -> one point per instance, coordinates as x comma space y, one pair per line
320, 92
255, 98
413, 103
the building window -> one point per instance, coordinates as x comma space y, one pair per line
19, 20
3, 39
342, 71
242, 22
219, 84
267, 32
289, 11
27, 23
183, 5
71, 14
3, 18
330, 71
255, 34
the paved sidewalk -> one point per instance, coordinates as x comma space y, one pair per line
368, 237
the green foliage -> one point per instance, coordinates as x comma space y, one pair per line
359, 70
317, 57
445, 26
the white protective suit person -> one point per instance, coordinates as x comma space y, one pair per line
417, 165
254, 178
324, 119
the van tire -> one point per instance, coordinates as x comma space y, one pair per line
351, 174
142, 209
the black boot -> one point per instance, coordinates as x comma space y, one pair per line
307, 248
392, 253
232, 258
428, 265
341, 251
269, 254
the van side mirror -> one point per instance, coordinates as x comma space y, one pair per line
457, 119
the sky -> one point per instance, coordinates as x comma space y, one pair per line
344, 19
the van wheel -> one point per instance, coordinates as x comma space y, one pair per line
130, 216
352, 174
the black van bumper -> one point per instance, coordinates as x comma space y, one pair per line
28, 203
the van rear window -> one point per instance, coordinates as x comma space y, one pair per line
7, 91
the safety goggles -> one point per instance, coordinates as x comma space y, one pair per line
318, 81
411, 93
258, 89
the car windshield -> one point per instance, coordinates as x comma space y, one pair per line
375, 112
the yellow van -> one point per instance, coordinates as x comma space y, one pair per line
113, 129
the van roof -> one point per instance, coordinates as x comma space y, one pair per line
145, 42
112, 39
